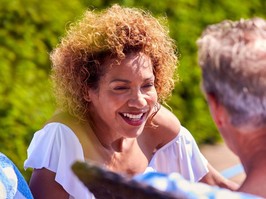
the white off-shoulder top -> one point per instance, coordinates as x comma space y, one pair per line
56, 148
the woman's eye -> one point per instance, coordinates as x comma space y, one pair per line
118, 88
148, 85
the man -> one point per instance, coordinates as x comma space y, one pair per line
232, 57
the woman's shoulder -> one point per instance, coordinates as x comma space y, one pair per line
63, 118
60, 124
80, 128
166, 120
167, 127
183, 137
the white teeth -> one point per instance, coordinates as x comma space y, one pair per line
131, 116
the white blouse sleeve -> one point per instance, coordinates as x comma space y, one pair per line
181, 155
56, 148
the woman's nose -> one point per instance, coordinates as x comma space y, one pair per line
137, 100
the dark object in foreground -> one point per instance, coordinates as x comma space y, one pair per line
105, 184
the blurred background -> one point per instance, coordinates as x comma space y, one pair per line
29, 29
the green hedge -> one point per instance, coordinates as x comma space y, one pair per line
29, 29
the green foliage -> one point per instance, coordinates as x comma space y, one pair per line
29, 29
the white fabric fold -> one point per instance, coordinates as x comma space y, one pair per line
56, 147
181, 155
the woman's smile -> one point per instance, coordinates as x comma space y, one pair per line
134, 119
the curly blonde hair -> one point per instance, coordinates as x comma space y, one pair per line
114, 32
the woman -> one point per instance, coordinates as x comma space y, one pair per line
110, 72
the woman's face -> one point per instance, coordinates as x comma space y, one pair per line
125, 97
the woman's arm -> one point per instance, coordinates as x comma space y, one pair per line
43, 185
215, 178
169, 125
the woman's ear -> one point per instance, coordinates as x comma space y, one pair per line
87, 97
216, 109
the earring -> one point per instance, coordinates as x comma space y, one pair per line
87, 98
157, 107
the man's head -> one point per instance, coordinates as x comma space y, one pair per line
232, 56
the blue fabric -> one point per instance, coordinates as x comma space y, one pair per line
12, 183
174, 183
233, 171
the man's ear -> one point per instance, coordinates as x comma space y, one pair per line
216, 109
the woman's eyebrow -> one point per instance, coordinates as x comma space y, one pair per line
128, 81
120, 80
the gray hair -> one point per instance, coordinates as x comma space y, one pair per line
232, 56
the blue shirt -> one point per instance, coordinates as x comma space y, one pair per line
174, 183
12, 183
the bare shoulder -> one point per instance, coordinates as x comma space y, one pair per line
81, 129
168, 126
166, 120
64, 118
67, 119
